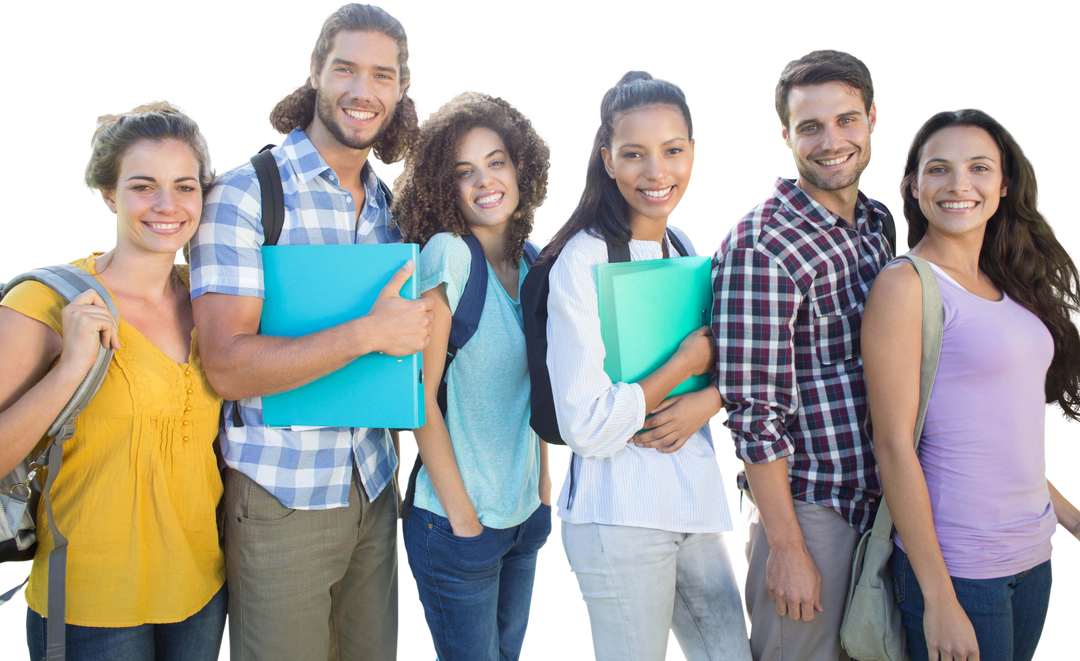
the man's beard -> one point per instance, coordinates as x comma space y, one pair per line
327, 111
834, 182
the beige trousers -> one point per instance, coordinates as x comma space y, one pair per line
310, 584
831, 541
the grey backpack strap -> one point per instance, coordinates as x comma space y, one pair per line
6, 597
933, 320
56, 634
68, 281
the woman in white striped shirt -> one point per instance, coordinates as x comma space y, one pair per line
642, 525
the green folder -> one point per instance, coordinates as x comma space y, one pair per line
646, 309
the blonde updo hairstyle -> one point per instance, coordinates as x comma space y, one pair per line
158, 122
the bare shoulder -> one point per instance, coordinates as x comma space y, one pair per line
898, 272
894, 306
29, 349
897, 282
19, 327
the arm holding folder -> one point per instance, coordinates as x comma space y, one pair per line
241, 363
654, 312
675, 420
597, 415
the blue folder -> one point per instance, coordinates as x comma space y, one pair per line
312, 288
646, 309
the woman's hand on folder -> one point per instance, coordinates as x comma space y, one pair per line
398, 326
678, 418
698, 352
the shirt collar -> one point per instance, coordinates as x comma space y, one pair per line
797, 201
308, 163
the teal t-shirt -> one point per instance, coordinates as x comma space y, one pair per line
487, 396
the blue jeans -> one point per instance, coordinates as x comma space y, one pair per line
197, 638
1007, 613
476, 591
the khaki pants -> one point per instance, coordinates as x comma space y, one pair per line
310, 584
831, 541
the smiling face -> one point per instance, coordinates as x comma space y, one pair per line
358, 88
650, 159
486, 179
829, 131
960, 181
157, 200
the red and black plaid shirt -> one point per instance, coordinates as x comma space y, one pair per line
790, 283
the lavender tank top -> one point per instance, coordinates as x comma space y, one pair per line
982, 450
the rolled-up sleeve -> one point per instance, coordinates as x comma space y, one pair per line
596, 417
755, 307
226, 251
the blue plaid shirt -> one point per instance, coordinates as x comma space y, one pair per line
309, 469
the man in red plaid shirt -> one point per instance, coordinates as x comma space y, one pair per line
791, 280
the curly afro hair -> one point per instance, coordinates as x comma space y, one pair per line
426, 193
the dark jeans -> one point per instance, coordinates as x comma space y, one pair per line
1007, 613
476, 591
197, 638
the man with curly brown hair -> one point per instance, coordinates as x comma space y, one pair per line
311, 515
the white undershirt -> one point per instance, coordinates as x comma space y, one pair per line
942, 273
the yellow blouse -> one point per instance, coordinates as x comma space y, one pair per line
138, 491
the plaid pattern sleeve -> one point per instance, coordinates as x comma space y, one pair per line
756, 304
226, 255
790, 282
304, 468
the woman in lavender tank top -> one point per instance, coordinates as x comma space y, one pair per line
973, 510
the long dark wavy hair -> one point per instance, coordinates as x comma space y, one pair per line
1019, 253
602, 210
298, 109
426, 193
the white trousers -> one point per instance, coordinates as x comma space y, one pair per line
640, 583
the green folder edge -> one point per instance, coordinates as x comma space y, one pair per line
279, 409
696, 312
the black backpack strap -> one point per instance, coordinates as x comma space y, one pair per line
616, 254
273, 215
676, 243
462, 327
273, 198
889, 224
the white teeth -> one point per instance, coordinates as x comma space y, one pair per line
489, 199
164, 226
835, 161
657, 193
359, 114
958, 205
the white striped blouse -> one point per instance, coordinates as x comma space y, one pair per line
616, 483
